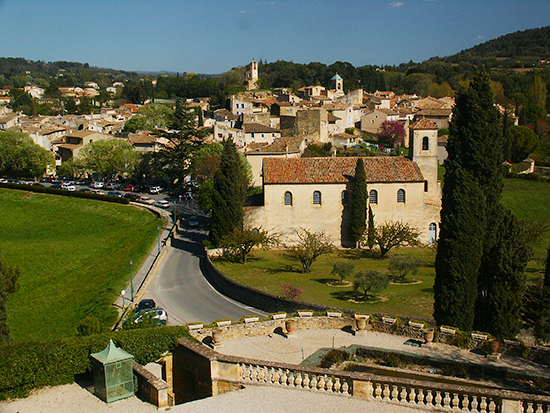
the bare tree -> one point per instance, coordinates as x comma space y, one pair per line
310, 246
392, 234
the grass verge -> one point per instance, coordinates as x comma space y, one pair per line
74, 259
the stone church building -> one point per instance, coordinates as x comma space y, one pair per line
316, 193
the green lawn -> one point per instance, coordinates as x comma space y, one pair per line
73, 255
267, 270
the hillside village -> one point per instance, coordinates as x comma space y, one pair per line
272, 130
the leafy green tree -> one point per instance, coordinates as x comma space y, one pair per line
228, 195
394, 234
403, 265
204, 195
370, 282
523, 142
238, 244
150, 117
342, 269
184, 139
21, 157
310, 246
110, 158
358, 222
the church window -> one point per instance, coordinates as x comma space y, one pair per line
344, 197
433, 233
425, 186
288, 198
316, 198
425, 143
373, 197
401, 196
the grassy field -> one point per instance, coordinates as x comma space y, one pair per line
267, 270
73, 255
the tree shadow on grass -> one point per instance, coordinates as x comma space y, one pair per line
343, 295
283, 268
325, 280
428, 290
354, 254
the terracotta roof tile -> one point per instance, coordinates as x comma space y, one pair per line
339, 170
424, 123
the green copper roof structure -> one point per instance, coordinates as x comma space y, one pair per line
336, 77
113, 373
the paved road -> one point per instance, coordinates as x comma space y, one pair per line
180, 288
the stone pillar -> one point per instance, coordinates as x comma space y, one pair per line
511, 406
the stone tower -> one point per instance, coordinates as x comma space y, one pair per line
252, 76
423, 151
337, 83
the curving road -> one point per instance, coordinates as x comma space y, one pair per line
180, 288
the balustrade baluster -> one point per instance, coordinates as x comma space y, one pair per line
313, 382
455, 402
438, 398
412, 396
474, 404
337, 385
330, 384
256, 373
386, 392
291, 379
539, 408
447, 401
271, 375
321, 383
465, 403
305, 382
403, 395
345, 387
394, 393
493, 406
298, 381
261, 374
483, 405
420, 396
530, 408
429, 397
246, 372
283, 378
378, 391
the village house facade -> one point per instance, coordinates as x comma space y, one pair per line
316, 193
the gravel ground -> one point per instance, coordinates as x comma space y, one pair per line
71, 398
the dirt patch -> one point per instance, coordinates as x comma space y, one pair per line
412, 282
339, 284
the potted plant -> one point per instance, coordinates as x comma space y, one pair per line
428, 336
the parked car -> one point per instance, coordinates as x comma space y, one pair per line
85, 190
55, 186
146, 303
157, 314
162, 204
128, 187
68, 187
96, 184
155, 190
110, 186
146, 200
132, 196
81, 182
115, 193
193, 221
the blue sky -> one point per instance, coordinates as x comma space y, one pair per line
212, 36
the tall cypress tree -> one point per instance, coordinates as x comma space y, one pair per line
358, 222
471, 197
228, 194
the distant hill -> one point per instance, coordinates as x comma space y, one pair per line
520, 49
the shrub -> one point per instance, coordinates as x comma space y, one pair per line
89, 326
291, 292
343, 269
333, 357
32, 365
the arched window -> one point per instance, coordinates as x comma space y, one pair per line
425, 143
433, 233
373, 197
316, 198
401, 196
288, 198
425, 186
344, 197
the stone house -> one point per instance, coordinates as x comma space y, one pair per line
73, 142
315, 193
371, 121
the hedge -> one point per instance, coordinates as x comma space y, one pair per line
76, 194
32, 365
